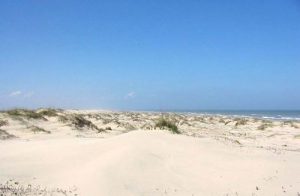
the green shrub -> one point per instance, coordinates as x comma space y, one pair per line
48, 112
30, 114
164, 123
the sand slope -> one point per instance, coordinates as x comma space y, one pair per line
150, 163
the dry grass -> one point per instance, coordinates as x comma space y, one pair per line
237, 142
240, 121
222, 121
80, 122
265, 125
10, 188
4, 135
48, 112
29, 114
227, 122
291, 124
63, 119
167, 124
295, 126
3, 123
36, 129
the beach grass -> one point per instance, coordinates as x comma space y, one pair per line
29, 114
170, 125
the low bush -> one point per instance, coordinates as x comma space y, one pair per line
48, 112
30, 114
167, 124
240, 121
80, 122
3, 123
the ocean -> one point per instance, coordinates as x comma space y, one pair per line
262, 114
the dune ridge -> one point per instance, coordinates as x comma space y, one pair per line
124, 153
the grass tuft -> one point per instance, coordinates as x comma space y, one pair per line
3, 123
4, 135
164, 123
80, 122
29, 114
36, 129
264, 126
48, 112
222, 121
12, 187
227, 122
291, 124
62, 118
240, 121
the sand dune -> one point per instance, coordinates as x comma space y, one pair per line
150, 163
92, 153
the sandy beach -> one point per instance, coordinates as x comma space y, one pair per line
85, 152
149, 98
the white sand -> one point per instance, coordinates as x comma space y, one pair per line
213, 155
150, 163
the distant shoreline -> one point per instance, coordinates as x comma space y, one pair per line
281, 115
261, 114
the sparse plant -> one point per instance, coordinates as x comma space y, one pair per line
164, 123
48, 112
129, 127
222, 121
80, 122
287, 122
106, 121
147, 126
62, 119
264, 126
4, 135
240, 121
36, 129
108, 128
100, 130
294, 126
15, 188
227, 122
30, 114
3, 123
290, 123
237, 142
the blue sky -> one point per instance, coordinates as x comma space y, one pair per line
159, 54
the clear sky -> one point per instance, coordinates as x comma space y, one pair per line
150, 54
